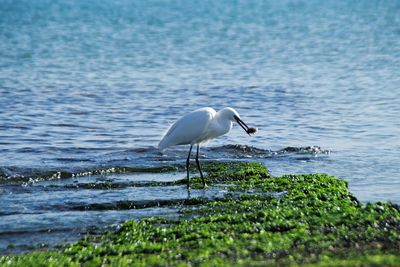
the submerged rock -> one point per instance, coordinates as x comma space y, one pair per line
313, 219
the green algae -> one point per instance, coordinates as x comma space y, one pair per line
314, 221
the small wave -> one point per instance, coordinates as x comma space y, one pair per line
37, 175
143, 149
303, 150
245, 151
144, 159
241, 149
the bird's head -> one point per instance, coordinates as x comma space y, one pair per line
232, 115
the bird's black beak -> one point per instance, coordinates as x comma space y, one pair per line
242, 124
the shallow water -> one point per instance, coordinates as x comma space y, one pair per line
51, 212
91, 85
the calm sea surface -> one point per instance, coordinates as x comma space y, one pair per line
89, 85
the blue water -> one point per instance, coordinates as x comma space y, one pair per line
88, 85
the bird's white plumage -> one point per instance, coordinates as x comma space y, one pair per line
198, 127
190, 129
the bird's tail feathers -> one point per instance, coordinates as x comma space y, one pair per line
162, 145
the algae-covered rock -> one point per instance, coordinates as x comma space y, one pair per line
294, 219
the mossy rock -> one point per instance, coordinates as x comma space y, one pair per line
227, 172
313, 221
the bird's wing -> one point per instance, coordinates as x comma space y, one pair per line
188, 129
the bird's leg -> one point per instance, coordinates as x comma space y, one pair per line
187, 166
198, 166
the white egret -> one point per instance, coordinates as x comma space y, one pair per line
201, 126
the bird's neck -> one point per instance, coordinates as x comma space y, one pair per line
221, 126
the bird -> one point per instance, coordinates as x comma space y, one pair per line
199, 127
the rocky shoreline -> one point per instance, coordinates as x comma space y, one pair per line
263, 220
